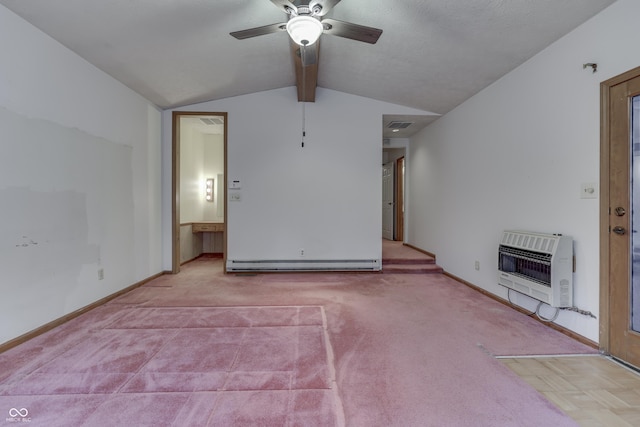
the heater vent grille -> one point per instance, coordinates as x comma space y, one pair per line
538, 265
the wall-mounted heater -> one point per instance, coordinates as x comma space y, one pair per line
538, 265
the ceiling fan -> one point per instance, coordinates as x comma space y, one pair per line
306, 23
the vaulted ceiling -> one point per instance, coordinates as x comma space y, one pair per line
432, 54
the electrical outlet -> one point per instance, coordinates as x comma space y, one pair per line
477, 265
101, 274
235, 197
301, 252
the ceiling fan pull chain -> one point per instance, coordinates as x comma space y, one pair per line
304, 132
303, 49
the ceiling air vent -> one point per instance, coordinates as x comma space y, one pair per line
399, 125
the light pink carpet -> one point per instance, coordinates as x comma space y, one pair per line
204, 349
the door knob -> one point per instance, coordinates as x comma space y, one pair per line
619, 230
620, 211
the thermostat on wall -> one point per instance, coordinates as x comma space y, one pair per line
234, 184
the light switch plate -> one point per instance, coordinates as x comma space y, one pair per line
589, 190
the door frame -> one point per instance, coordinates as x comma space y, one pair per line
605, 235
391, 175
399, 199
175, 185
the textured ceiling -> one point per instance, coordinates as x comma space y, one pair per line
432, 55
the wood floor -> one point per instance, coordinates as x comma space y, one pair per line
593, 390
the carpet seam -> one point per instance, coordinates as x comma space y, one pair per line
339, 408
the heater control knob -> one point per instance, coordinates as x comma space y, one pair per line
619, 230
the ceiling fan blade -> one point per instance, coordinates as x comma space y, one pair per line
326, 5
351, 31
308, 54
258, 31
285, 5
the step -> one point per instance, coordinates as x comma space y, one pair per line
411, 269
408, 261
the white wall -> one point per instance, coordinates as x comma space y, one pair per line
324, 198
514, 157
214, 168
201, 157
192, 178
79, 181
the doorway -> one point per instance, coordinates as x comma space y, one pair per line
393, 193
620, 217
387, 200
199, 164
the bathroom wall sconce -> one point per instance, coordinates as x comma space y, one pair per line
209, 190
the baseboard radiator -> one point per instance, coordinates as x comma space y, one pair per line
538, 265
303, 265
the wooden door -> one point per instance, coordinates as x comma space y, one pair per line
620, 185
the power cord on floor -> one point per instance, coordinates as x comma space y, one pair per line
578, 310
536, 312
544, 319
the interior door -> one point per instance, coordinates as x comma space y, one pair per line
387, 201
621, 208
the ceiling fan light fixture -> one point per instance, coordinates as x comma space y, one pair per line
304, 30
